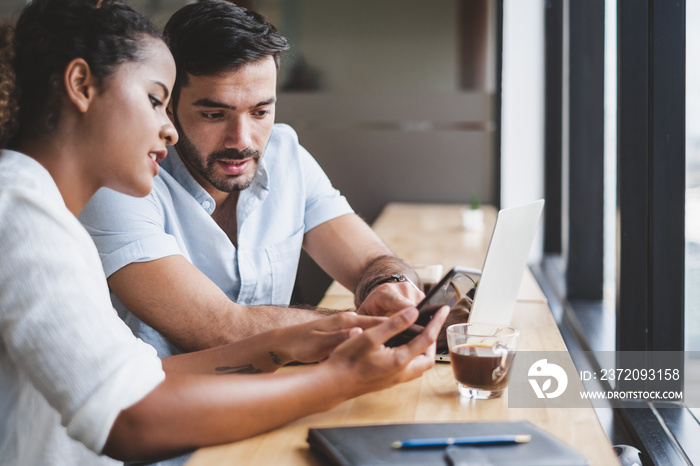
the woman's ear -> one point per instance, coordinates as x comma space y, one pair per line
79, 82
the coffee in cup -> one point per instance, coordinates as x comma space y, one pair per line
481, 355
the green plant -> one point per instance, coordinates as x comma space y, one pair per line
474, 201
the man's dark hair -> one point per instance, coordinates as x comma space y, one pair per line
216, 36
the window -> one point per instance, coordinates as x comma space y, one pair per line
692, 208
653, 263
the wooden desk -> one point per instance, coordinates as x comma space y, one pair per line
429, 234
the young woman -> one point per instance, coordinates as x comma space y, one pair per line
92, 79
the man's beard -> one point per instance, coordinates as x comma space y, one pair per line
224, 183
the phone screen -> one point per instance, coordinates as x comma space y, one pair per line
455, 285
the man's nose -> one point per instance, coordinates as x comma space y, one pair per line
238, 134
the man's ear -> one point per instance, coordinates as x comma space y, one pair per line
80, 83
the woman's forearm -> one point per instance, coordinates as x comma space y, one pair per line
189, 411
260, 353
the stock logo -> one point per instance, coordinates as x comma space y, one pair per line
546, 372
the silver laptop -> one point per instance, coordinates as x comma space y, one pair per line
502, 273
505, 263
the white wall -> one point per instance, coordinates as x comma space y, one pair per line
522, 136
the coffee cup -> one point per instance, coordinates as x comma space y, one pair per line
481, 355
429, 275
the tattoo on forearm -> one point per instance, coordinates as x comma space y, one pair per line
246, 369
275, 358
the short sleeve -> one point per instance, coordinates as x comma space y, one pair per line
127, 229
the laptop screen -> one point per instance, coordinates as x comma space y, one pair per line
505, 263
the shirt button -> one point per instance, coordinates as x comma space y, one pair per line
206, 204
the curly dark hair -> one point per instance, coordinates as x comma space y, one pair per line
8, 102
48, 35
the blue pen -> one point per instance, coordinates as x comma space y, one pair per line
472, 440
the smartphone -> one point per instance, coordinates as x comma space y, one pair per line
455, 285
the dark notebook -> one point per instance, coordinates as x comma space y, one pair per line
371, 445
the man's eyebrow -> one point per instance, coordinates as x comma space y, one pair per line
269, 101
208, 103
212, 104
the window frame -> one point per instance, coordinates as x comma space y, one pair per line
650, 257
651, 180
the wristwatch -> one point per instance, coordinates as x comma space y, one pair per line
364, 290
393, 278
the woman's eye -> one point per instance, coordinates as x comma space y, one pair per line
155, 101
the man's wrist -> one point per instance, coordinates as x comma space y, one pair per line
385, 269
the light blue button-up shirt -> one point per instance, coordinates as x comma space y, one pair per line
289, 196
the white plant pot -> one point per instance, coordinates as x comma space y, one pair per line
473, 219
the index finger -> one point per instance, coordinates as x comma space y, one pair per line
429, 335
352, 319
393, 325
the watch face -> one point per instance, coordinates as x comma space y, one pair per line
395, 278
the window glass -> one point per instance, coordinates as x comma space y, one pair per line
692, 285
610, 150
692, 216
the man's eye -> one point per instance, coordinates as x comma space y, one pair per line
211, 115
262, 113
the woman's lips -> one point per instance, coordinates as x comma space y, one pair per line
154, 164
160, 155
156, 157
234, 168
